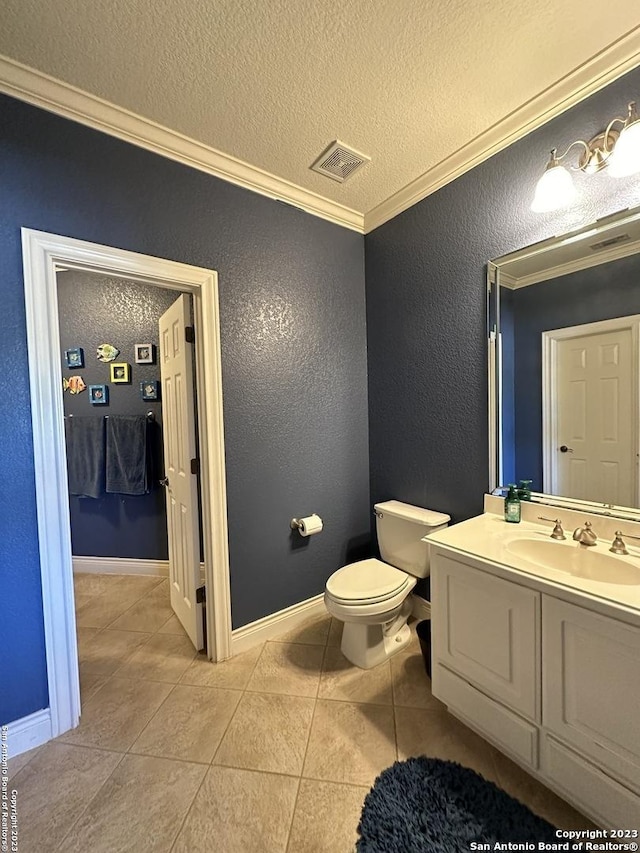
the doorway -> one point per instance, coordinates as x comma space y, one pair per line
121, 436
43, 255
590, 378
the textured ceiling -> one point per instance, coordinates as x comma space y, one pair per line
272, 82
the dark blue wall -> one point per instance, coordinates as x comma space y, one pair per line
96, 309
293, 360
600, 293
426, 307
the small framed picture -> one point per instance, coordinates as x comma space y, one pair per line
150, 390
144, 353
98, 395
74, 357
120, 372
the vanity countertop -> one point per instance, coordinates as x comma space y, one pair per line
585, 570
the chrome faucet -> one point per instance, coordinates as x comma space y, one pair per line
585, 535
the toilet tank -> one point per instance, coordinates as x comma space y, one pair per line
400, 528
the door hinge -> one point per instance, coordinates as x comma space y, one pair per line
201, 595
190, 334
195, 466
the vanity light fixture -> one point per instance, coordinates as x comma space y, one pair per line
619, 151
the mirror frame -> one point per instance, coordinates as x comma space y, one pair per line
496, 268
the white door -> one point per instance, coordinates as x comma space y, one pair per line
179, 435
594, 442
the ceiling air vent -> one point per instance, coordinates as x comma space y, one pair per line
339, 162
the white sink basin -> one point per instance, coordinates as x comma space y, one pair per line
577, 560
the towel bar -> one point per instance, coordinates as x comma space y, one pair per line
150, 416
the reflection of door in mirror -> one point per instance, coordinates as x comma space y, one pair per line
590, 417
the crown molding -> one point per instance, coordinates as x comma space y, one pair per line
55, 96
611, 63
568, 267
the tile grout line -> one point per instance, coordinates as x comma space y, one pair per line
243, 692
188, 811
148, 723
85, 809
122, 661
304, 757
295, 806
99, 595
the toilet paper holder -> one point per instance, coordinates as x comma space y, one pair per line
307, 526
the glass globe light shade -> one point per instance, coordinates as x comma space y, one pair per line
625, 159
554, 190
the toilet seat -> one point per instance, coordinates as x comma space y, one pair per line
367, 582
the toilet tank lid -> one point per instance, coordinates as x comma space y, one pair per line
428, 517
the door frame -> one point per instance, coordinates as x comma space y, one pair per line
43, 254
550, 341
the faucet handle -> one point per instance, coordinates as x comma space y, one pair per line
558, 532
618, 546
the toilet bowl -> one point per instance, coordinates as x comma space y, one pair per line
373, 597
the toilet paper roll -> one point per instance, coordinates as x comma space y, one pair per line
310, 524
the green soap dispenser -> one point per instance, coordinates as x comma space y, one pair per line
512, 505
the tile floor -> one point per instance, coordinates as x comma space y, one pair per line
273, 750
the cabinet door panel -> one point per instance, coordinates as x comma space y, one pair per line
488, 717
591, 666
487, 630
592, 791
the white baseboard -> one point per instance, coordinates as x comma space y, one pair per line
120, 566
421, 607
29, 732
270, 627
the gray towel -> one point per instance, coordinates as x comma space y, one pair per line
126, 469
85, 455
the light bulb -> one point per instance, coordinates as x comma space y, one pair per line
554, 190
625, 159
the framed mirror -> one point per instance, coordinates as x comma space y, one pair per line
564, 367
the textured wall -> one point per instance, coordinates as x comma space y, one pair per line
96, 309
426, 320
599, 293
293, 363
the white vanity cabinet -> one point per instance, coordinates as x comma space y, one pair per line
552, 684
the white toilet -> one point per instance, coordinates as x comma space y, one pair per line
372, 598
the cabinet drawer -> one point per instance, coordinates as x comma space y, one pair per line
609, 803
488, 630
591, 672
487, 716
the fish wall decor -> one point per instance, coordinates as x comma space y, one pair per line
74, 385
107, 352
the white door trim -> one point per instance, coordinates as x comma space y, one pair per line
42, 254
549, 387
